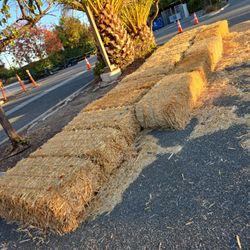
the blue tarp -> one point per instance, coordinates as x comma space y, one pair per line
158, 23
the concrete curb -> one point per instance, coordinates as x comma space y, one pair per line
216, 12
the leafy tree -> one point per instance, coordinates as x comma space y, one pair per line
38, 42
73, 33
52, 41
117, 41
31, 11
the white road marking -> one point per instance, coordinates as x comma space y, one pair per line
51, 111
20, 106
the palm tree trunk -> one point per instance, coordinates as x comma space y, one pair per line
144, 41
14, 137
117, 41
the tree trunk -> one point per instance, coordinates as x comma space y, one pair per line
15, 139
144, 41
156, 2
117, 41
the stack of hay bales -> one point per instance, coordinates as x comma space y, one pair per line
49, 192
138, 81
166, 57
217, 29
105, 147
169, 103
203, 56
206, 50
53, 186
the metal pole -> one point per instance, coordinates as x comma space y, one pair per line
98, 37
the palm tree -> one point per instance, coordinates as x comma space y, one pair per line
117, 41
135, 17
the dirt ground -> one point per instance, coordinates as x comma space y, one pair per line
43, 130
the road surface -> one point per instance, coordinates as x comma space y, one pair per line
237, 11
52, 90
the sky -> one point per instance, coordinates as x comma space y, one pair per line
49, 20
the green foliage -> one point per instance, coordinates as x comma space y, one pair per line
74, 34
6, 73
99, 68
194, 5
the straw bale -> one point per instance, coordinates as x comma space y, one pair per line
123, 119
139, 82
164, 59
185, 37
106, 147
117, 99
54, 202
203, 56
163, 64
219, 28
169, 103
46, 166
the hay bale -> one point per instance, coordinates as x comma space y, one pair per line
122, 119
117, 99
169, 103
138, 82
185, 37
221, 27
214, 30
48, 201
203, 56
164, 60
106, 147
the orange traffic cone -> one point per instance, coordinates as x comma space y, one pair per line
196, 21
180, 30
2, 90
21, 83
34, 84
88, 65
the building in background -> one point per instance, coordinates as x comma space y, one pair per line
175, 11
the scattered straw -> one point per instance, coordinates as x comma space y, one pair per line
111, 193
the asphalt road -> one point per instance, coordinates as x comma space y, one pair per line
237, 11
52, 90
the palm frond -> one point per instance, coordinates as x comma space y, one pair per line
135, 14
